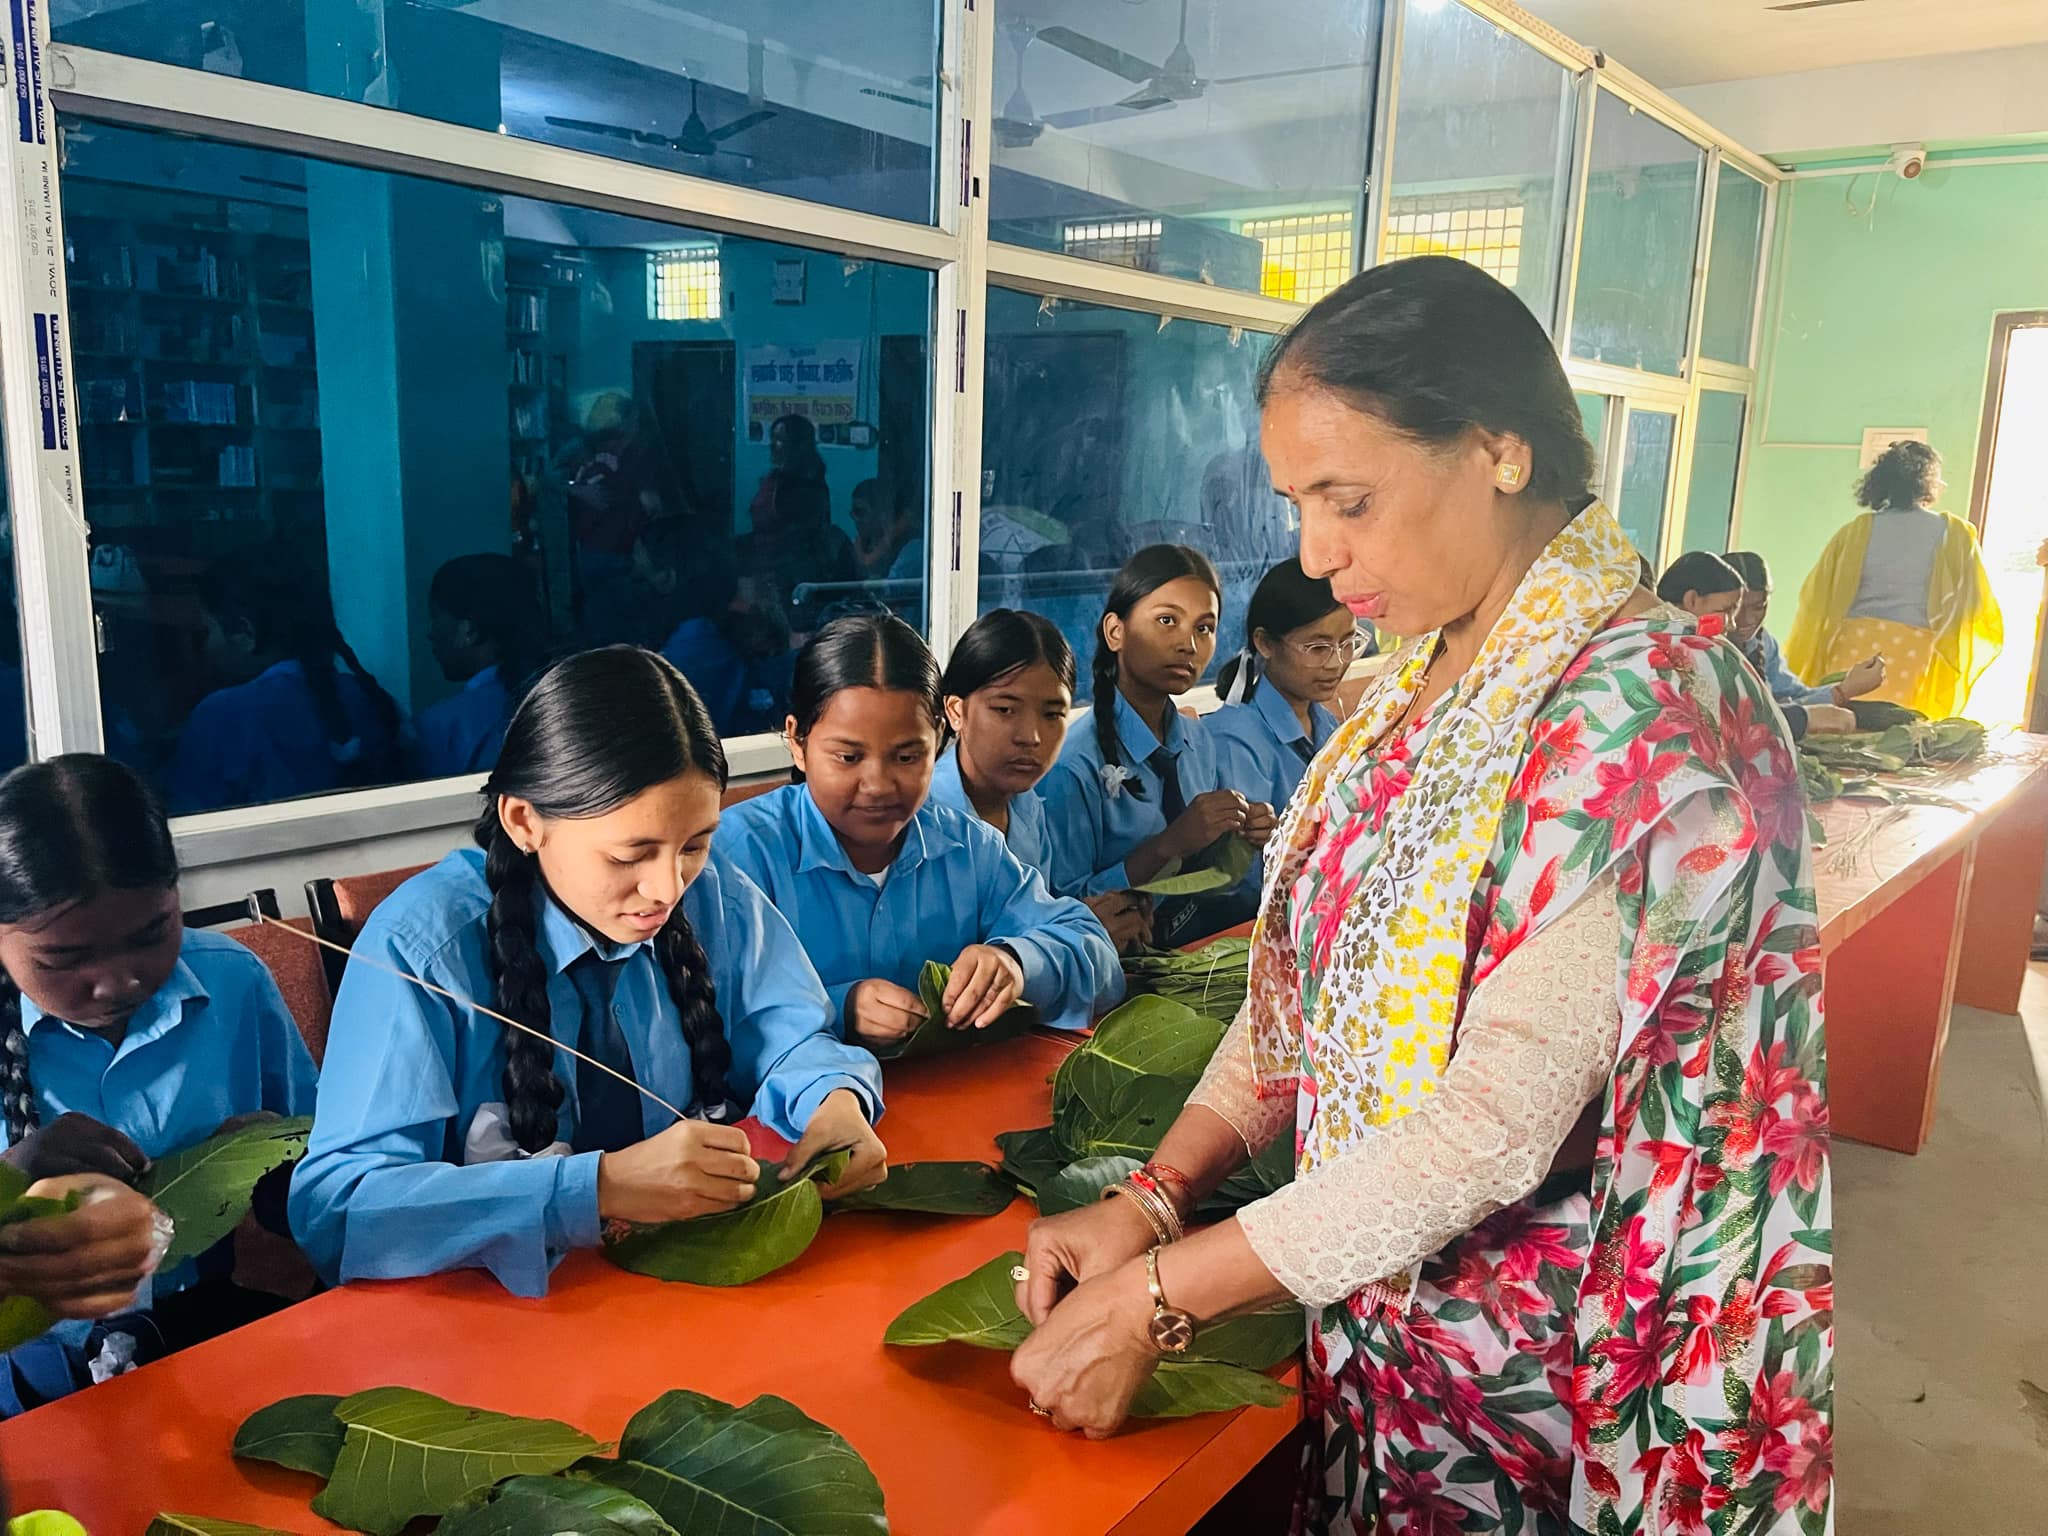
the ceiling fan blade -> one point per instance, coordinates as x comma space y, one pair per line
610, 131
1100, 54
1086, 117
1286, 74
739, 126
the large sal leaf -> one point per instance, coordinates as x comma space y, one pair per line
1269, 1171
1082, 1183
737, 1246
936, 1189
299, 1432
408, 1454
21, 1317
978, 1309
764, 1469
206, 1189
1257, 1341
1211, 980
934, 1038
1130, 1124
1178, 1389
200, 1525
1217, 867
1116, 1094
554, 1506
1030, 1158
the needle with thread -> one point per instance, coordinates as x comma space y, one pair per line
456, 997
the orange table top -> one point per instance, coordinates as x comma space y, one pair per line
946, 1432
1876, 852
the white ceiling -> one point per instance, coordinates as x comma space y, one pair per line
1691, 42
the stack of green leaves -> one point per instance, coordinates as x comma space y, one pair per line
1218, 867
1224, 1370
1210, 980
935, 1038
686, 1463
22, 1319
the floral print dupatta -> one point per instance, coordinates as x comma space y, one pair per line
1699, 1381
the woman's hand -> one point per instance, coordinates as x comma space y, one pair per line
879, 1012
75, 1143
1259, 822
986, 982
1127, 915
1828, 720
1086, 1362
693, 1168
1861, 679
1208, 817
1075, 1246
841, 1121
89, 1262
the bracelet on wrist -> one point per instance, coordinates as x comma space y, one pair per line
1158, 1211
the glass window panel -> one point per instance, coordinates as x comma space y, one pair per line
291, 371
1634, 296
1732, 267
812, 98
13, 681
1716, 460
1646, 479
1106, 431
1482, 140
1593, 410
1206, 139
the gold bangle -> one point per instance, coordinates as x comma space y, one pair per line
1132, 1195
1159, 1212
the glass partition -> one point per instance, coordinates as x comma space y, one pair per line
1716, 463
1646, 479
1735, 258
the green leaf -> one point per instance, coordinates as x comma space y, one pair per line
1218, 867
978, 1309
554, 1506
1211, 980
45, 1522
408, 1454
21, 1317
759, 1470
1083, 1182
206, 1189
1270, 1171
1117, 1093
937, 1189
934, 1038
1177, 1390
1130, 1125
1257, 1342
199, 1525
1030, 1158
300, 1432
736, 1246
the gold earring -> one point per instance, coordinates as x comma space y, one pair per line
1508, 476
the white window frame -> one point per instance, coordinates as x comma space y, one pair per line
54, 593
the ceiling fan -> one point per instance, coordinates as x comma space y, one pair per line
697, 139
1158, 85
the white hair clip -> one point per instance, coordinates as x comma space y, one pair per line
1241, 682
1114, 777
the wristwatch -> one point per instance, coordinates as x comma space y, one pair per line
1172, 1330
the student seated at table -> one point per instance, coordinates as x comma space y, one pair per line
878, 878
1141, 788
1760, 647
124, 1037
1704, 585
1298, 642
595, 912
487, 631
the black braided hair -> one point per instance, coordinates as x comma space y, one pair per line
70, 828
1143, 574
593, 732
861, 650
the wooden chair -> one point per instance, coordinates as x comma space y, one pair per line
227, 912
735, 793
296, 966
341, 906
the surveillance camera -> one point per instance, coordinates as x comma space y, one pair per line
1908, 161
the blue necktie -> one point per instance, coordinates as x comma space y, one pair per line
1171, 800
607, 1110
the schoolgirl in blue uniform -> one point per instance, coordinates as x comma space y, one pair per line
1142, 788
595, 911
124, 1037
879, 879
1299, 640
488, 633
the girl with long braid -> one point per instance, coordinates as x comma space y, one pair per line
1140, 789
124, 1037
594, 909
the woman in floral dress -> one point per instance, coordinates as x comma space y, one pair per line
1535, 986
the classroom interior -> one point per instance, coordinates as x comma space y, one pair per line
344, 290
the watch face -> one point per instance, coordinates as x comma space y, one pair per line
1172, 1331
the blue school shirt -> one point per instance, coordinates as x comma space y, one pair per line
411, 1171
953, 884
462, 733
1763, 654
1259, 741
1026, 837
1090, 830
263, 740
213, 1042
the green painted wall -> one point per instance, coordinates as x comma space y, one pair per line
1880, 315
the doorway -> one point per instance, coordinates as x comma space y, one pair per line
2009, 505
687, 388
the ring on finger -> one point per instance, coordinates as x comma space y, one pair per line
1043, 1413
1019, 1274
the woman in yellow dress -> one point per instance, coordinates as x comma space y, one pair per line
1906, 582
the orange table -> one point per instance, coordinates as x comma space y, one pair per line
1922, 907
944, 1429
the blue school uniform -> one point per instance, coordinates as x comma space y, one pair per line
462, 733
1026, 837
953, 884
413, 1169
1090, 829
263, 740
1261, 749
1763, 654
